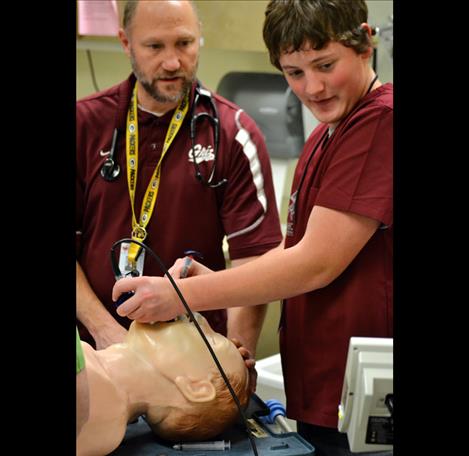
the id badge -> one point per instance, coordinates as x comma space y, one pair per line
124, 265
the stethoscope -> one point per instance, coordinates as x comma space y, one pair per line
110, 170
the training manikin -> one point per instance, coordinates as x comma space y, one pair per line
165, 372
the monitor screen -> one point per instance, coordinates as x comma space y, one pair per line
365, 409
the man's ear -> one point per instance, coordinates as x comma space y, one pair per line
201, 390
124, 41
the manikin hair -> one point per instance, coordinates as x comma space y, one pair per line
205, 420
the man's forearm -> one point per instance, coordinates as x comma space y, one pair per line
245, 323
102, 326
90, 310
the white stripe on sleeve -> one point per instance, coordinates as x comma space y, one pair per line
250, 150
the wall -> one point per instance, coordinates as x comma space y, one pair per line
234, 46
232, 32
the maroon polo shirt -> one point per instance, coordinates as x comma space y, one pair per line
187, 214
352, 171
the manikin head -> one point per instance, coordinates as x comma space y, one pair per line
198, 404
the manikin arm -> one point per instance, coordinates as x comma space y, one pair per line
83, 393
332, 240
83, 407
91, 312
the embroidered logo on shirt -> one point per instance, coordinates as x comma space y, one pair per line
291, 213
201, 154
104, 153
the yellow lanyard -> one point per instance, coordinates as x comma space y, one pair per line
139, 232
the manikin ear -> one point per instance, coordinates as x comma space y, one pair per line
201, 390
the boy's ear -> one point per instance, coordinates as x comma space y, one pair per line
367, 28
201, 390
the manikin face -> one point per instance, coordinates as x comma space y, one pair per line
163, 45
176, 349
328, 81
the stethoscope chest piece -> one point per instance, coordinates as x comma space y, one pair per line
110, 170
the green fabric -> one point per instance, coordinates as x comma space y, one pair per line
80, 357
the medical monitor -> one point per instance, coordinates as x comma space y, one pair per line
277, 111
365, 409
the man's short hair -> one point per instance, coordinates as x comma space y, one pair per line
131, 6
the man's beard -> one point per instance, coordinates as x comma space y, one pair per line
151, 86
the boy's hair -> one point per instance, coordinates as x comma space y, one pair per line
289, 24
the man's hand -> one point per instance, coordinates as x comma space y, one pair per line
102, 326
112, 333
250, 364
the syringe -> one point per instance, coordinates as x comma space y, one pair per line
215, 445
